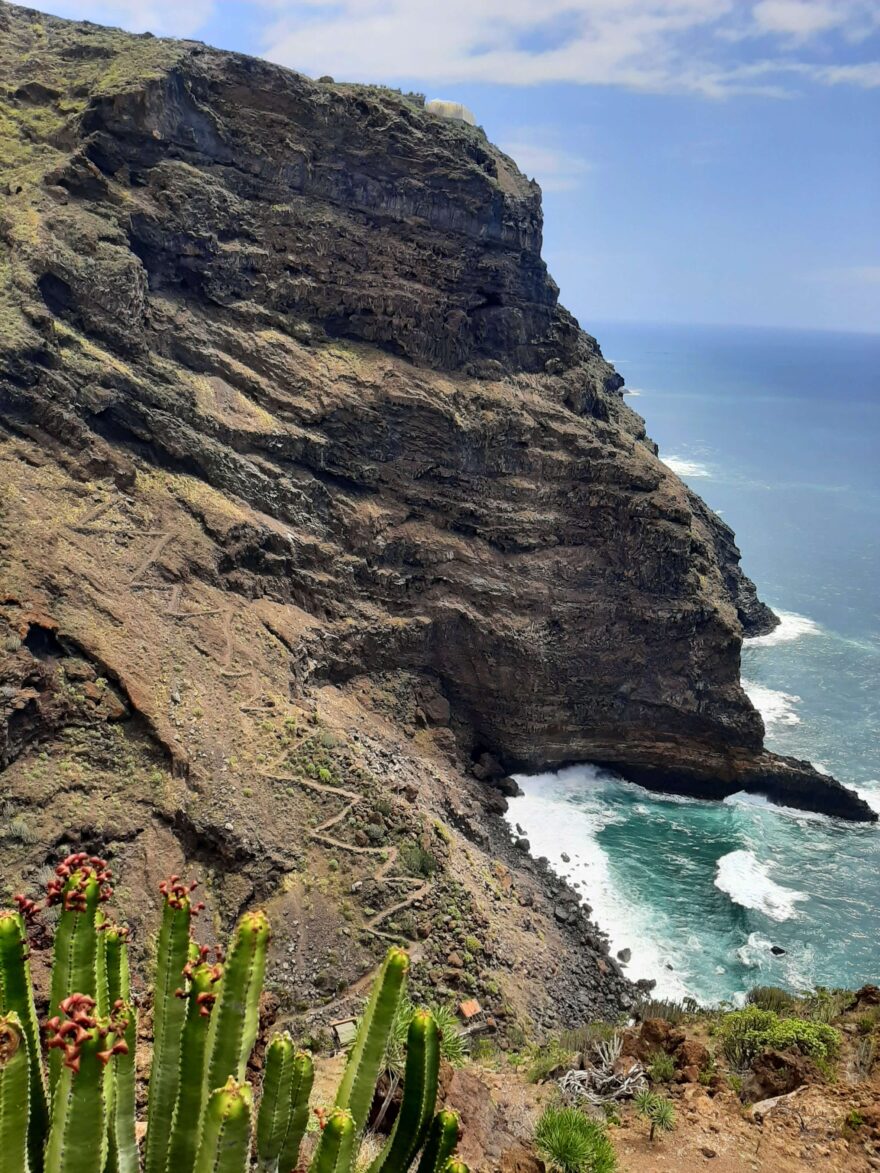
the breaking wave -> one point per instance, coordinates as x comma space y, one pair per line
557, 828
760, 803
774, 705
870, 793
791, 627
742, 877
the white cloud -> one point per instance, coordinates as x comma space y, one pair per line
866, 74
798, 18
171, 18
685, 46
804, 20
606, 42
652, 45
555, 168
746, 78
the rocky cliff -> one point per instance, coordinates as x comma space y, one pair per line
291, 416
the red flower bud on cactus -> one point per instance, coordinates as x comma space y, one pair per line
29, 909
174, 891
205, 1002
120, 1048
80, 868
77, 1025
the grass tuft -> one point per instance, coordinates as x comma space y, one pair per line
571, 1142
661, 1067
771, 998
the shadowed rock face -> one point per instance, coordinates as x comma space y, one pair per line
331, 308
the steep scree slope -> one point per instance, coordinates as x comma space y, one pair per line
297, 341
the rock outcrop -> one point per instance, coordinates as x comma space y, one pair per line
300, 336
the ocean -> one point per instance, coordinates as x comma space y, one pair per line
779, 431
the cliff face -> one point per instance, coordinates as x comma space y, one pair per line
288, 398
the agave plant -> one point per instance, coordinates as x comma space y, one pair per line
657, 1110
68, 1100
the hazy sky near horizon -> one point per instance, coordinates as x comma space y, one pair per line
701, 160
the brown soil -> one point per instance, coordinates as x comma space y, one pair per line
499, 1109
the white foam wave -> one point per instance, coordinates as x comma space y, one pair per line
636, 392
796, 968
761, 803
742, 877
791, 627
775, 706
556, 827
870, 793
755, 954
685, 468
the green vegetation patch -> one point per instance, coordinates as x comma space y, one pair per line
771, 998
746, 1033
657, 1110
661, 1068
571, 1142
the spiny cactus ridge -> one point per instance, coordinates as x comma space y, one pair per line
70, 1105
14, 1091
442, 1138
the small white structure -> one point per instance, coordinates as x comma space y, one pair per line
451, 110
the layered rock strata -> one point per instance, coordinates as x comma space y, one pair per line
298, 340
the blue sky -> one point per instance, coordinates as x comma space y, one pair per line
702, 160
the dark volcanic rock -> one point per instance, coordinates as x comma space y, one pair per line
775, 1073
328, 309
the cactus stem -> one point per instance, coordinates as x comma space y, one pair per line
361, 1072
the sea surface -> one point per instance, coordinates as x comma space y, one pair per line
779, 431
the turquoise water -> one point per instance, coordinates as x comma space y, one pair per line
780, 432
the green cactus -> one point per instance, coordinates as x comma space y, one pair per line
235, 1018
122, 1148
419, 1096
102, 988
122, 1154
205, 1024
364, 1062
200, 997
284, 1108
455, 1166
17, 997
169, 1013
80, 886
300, 1090
14, 1095
226, 1135
116, 963
273, 1119
78, 1134
442, 1138
336, 1148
